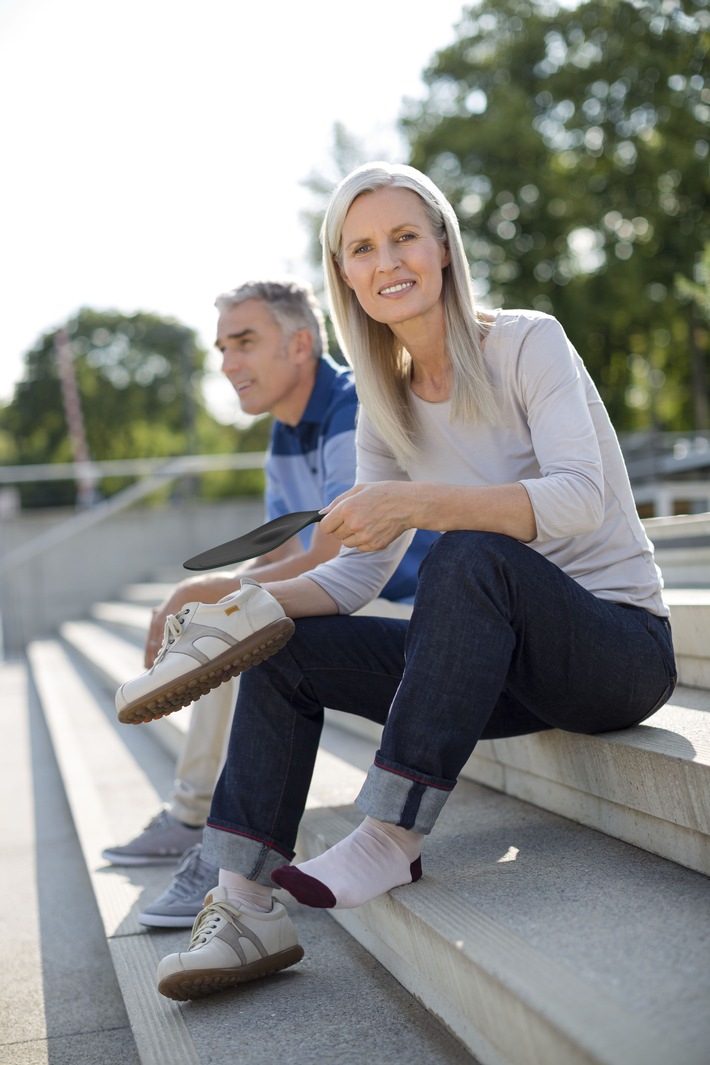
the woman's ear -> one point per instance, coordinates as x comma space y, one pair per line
446, 257
340, 270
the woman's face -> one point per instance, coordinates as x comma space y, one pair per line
391, 259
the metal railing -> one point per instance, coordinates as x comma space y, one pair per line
155, 474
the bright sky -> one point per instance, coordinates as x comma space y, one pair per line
153, 150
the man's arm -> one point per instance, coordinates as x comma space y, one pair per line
286, 562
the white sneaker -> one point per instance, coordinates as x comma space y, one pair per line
229, 946
205, 644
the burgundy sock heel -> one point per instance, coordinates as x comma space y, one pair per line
304, 888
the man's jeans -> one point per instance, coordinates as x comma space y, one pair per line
501, 642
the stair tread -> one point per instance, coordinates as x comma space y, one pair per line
548, 898
582, 932
102, 764
132, 615
686, 717
648, 785
538, 917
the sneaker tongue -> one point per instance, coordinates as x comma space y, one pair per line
217, 894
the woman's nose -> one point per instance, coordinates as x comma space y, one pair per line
387, 258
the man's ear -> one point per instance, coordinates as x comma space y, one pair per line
300, 346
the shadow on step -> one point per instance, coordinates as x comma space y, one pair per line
81, 999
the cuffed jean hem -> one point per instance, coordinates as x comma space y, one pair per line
242, 852
403, 797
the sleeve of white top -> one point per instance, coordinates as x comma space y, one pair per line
555, 391
355, 577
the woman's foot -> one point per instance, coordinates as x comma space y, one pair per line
373, 859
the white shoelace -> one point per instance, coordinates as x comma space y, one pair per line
173, 628
207, 921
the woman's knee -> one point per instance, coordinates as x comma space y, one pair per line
462, 551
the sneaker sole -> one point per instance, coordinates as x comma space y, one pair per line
186, 689
142, 859
197, 983
160, 920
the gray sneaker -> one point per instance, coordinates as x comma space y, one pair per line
181, 902
161, 842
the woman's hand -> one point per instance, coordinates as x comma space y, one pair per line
370, 516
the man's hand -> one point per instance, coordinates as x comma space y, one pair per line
203, 589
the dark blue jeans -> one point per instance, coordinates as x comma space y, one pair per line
501, 643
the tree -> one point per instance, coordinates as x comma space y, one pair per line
696, 292
138, 382
574, 146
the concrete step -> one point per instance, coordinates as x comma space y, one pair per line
551, 943
148, 593
649, 786
682, 549
115, 778
131, 618
533, 939
113, 657
60, 998
690, 617
538, 941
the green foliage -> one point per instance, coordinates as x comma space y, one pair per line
574, 146
138, 381
225, 484
695, 292
697, 289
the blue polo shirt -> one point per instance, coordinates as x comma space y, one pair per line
309, 464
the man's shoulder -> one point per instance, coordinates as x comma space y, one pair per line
330, 413
338, 381
333, 402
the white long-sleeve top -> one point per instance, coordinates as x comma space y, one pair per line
554, 437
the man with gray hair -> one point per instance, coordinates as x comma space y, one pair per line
272, 337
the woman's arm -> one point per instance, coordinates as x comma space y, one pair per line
302, 598
370, 516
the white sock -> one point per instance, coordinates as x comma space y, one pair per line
375, 857
245, 892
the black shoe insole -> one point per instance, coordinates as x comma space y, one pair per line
257, 542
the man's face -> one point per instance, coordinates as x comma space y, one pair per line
261, 365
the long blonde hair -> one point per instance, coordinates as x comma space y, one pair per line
381, 364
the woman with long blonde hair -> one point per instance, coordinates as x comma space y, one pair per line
538, 607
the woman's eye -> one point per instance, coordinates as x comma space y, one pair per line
407, 236
361, 248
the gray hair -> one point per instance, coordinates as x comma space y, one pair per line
380, 363
292, 304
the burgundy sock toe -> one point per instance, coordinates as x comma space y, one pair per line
416, 869
304, 888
